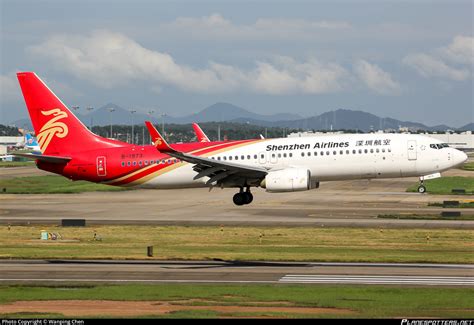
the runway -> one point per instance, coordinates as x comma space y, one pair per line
220, 272
355, 203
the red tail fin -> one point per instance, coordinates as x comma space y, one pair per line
201, 136
58, 131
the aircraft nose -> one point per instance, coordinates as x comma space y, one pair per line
460, 157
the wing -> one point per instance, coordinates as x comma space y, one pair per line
220, 173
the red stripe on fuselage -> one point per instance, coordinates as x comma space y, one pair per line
196, 148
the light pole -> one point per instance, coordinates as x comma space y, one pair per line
90, 108
150, 112
111, 109
132, 111
163, 123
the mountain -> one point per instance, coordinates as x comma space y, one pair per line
343, 119
467, 127
336, 120
227, 112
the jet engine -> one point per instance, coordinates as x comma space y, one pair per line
288, 180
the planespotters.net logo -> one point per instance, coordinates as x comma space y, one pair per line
437, 322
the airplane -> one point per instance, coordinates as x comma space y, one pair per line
31, 143
279, 165
200, 135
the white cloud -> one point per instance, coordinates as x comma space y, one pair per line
429, 66
460, 52
375, 78
216, 26
110, 59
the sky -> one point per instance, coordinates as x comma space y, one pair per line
410, 60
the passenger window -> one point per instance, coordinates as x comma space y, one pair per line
327, 153
248, 157
123, 164
262, 156
322, 153
341, 152
225, 158
255, 156
128, 163
134, 163
291, 154
377, 150
218, 158
279, 155
273, 155
360, 150
309, 154
334, 152
315, 153
354, 151
389, 150
302, 154
284, 155
230, 157
236, 157
146, 162
365, 150
383, 150
371, 150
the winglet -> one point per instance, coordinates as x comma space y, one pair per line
157, 139
202, 137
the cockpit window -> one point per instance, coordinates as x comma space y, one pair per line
439, 145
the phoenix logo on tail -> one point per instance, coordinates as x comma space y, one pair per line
52, 128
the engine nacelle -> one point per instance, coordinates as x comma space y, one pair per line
288, 180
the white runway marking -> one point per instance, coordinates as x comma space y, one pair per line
356, 279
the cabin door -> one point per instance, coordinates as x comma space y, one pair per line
411, 149
101, 166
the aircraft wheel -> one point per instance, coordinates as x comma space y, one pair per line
421, 189
248, 197
239, 199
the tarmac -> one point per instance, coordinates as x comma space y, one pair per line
233, 272
354, 203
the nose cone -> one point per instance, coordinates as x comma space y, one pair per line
459, 157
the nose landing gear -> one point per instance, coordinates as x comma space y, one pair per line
242, 197
421, 187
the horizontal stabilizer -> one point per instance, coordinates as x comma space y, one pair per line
50, 159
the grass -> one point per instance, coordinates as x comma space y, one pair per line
242, 243
363, 301
445, 185
468, 166
424, 217
9, 164
50, 184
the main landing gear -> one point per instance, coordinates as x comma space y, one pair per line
242, 197
421, 187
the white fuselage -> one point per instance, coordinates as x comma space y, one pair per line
331, 157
